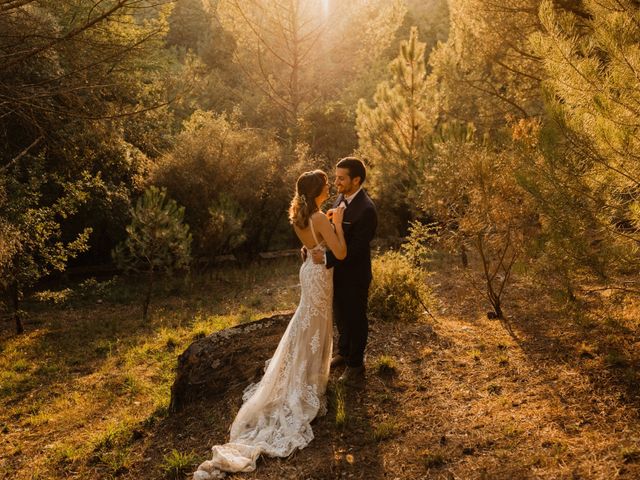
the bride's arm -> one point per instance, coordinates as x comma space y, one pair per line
334, 238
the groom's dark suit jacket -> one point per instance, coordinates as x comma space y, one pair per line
359, 224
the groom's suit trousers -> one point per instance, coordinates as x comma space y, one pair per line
351, 278
350, 314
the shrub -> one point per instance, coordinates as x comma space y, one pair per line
398, 291
234, 182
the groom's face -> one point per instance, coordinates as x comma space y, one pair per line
344, 183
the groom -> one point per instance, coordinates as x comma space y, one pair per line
352, 275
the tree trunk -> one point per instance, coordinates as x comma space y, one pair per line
15, 304
497, 308
147, 298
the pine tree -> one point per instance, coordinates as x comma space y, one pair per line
158, 241
392, 133
588, 183
486, 69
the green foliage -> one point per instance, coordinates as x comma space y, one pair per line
433, 459
385, 365
486, 70
340, 405
384, 431
158, 241
233, 181
420, 243
31, 243
481, 207
330, 132
398, 291
226, 224
586, 181
392, 134
74, 74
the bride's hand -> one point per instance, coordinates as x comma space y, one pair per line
329, 213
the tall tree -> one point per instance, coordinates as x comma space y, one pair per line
392, 134
487, 70
76, 82
293, 50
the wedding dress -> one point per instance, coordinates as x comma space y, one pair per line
275, 417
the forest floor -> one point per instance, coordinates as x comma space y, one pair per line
550, 392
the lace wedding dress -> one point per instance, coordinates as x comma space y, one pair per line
275, 417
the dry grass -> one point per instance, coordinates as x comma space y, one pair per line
549, 393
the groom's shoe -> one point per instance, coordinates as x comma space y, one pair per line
338, 361
353, 376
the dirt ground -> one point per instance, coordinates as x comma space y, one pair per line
551, 392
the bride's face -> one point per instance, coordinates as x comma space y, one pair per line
320, 199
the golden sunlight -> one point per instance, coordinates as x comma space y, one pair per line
325, 7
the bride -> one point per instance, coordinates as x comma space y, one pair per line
277, 411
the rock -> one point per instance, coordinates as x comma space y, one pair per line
229, 358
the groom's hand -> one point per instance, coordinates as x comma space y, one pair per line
303, 253
318, 256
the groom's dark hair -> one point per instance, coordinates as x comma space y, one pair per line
355, 166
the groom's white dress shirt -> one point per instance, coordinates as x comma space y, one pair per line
347, 200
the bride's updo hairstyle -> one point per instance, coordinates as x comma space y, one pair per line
303, 205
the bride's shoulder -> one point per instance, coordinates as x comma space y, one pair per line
319, 218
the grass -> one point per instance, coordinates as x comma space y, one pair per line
91, 371
384, 431
494, 389
503, 360
431, 459
339, 401
84, 393
616, 359
630, 455
176, 464
386, 365
475, 354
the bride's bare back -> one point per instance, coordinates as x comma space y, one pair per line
324, 233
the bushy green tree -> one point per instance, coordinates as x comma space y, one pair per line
471, 191
222, 170
392, 133
329, 131
158, 241
31, 240
80, 83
